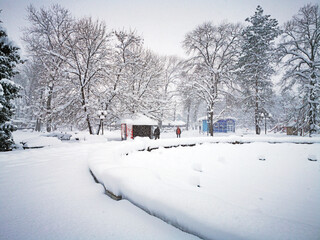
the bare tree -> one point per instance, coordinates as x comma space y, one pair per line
169, 82
213, 53
125, 52
87, 68
301, 55
46, 37
33, 94
140, 80
143, 85
190, 102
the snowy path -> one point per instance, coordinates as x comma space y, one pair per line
49, 194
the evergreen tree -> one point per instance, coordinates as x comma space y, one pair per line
9, 58
255, 63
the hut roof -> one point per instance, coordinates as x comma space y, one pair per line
140, 119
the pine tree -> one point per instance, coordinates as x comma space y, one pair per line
9, 58
255, 64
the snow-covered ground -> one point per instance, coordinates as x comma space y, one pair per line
48, 193
255, 190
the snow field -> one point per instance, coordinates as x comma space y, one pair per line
220, 191
48, 193
213, 190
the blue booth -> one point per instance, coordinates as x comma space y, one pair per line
224, 125
220, 126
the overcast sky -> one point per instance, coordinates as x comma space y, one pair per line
162, 23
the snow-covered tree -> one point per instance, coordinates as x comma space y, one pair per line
213, 53
30, 108
301, 55
46, 40
142, 93
124, 54
9, 58
140, 81
255, 63
82, 70
87, 67
286, 108
188, 98
169, 81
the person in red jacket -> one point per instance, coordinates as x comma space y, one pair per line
178, 132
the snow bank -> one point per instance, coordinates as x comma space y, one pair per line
40, 142
60, 135
145, 143
220, 191
33, 139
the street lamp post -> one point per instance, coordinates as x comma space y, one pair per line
265, 115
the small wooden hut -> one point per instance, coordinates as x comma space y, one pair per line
137, 126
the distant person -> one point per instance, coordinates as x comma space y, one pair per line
178, 132
157, 133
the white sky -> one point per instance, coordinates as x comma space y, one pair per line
162, 23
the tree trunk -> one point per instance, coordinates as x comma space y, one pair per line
256, 110
211, 123
211, 120
256, 118
38, 125
48, 117
99, 127
83, 96
312, 105
89, 124
188, 116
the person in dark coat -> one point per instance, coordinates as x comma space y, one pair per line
178, 132
157, 133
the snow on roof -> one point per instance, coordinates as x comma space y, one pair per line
202, 118
139, 119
